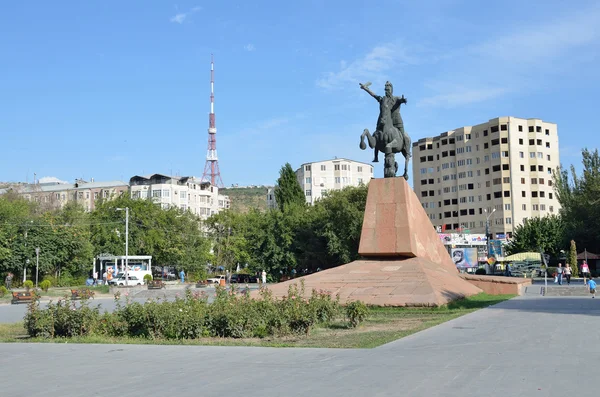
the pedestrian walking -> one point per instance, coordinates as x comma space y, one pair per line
585, 271
104, 278
559, 274
264, 277
182, 275
568, 273
592, 287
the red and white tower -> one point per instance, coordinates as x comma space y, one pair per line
211, 168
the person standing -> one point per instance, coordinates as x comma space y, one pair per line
568, 273
8, 280
95, 277
104, 278
182, 275
559, 273
585, 270
264, 277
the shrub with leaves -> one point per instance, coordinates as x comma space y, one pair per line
233, 314
147, 277
356, 312
45, 285
3, 291
28, 284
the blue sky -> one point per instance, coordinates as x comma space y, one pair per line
110, 89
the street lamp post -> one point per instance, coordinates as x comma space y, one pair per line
37, 265
126, 209
487, 234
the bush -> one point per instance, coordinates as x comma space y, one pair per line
480, 271
147, 277
356, 312
3, 291
28, 284
45, 285
231, 315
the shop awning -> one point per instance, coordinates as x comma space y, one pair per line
524, 256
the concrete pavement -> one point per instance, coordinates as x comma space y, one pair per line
529, 346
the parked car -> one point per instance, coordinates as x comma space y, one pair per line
243, 278
216, 279
131, 280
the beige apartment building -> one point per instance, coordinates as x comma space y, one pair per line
53, 195
500, 170
186, 193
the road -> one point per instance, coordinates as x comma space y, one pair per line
528, 346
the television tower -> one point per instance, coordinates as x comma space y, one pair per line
211, 168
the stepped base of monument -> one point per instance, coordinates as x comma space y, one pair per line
386, 282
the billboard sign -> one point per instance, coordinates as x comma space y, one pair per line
464, 257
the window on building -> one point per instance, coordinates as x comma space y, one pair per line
547, 131
308, 180
505, 167
166, 193
336, 167
338, 179
520, 128
550, 195
308, 192
522, 167
524, 207
522, 181
504, 140
532, 168
506, 179
538, 128
508, 221
548, 157
485, 145
96, 195
323, 167
530, 128
534, 194
307, 168
551, 208
532, 141
520, 141
523, 193
507, 193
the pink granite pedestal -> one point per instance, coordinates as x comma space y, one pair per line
405, 263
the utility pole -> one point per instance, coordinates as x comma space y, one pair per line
126, 243
488, 239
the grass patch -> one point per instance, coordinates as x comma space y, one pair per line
382, 325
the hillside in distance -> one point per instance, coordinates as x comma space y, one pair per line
243, 199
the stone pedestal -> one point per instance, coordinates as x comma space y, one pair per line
404, 262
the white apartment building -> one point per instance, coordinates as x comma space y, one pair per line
320, 177
500, 170
186, 193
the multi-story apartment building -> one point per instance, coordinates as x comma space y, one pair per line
499, 171
54, 195
320, 177
186, 193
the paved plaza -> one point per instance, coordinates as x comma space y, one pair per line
529, 346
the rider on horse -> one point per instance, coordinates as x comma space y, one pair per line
393, 102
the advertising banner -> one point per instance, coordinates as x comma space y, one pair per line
464, 257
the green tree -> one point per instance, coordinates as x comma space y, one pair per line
573, 259
173, 237
579, 197
288, 191
339, 223
546, 234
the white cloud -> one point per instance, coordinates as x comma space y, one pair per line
249, 47
521, 59
370, 67
50, 179
459, 96
180, 17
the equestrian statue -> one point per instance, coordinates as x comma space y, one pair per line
389, 136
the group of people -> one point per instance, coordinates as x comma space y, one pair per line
565, 272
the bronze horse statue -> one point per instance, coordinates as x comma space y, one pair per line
388, 139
